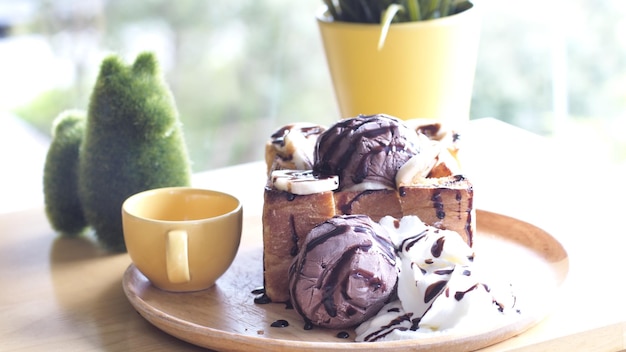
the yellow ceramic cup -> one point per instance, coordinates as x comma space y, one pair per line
182, 238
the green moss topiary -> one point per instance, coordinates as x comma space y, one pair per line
61, 199
133, 142
130, 140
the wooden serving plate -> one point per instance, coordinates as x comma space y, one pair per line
225, 317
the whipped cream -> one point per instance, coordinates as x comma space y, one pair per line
438, 288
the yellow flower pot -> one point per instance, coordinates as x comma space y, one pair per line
425, 68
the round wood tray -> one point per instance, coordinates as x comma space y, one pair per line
225, 317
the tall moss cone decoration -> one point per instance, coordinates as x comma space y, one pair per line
133, 142
61, 174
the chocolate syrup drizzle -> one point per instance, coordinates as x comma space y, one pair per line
294, 236
262, 298
280, 323
347, 207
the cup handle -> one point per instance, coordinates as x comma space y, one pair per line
176, 257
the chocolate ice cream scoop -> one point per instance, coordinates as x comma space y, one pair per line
365, 151
344, 273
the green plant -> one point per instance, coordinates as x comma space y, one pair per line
387, 12
373, 11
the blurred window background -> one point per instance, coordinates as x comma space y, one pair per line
239, 69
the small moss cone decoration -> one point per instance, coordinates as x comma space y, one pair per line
133, 142
60, 187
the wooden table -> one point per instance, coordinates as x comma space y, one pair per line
66, 294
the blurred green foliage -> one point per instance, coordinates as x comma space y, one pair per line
41, 111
